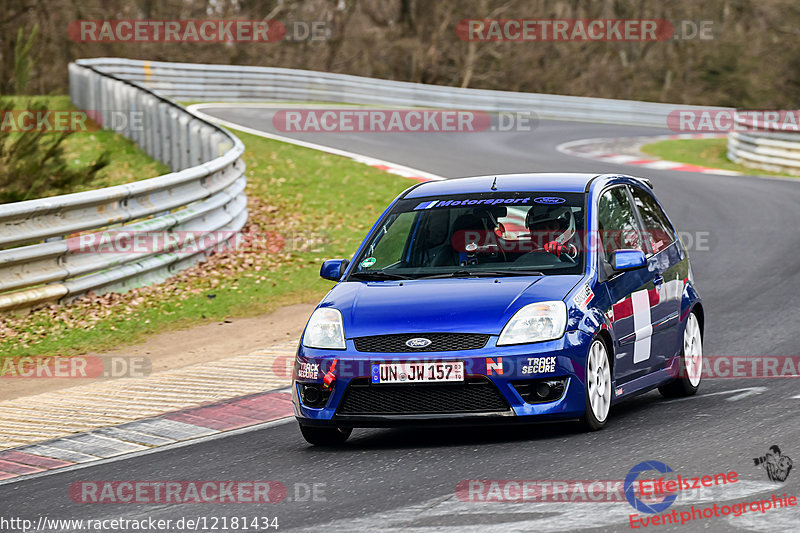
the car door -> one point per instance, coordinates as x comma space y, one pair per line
669, 261
630, 292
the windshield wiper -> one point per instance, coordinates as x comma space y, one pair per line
376, 275
483, 274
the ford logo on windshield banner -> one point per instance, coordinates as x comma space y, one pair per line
418, 342
549, 200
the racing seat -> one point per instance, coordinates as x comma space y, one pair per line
464, 224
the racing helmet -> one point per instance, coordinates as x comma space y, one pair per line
562, 216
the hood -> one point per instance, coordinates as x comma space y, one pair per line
472, 305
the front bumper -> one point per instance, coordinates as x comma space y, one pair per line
502, 367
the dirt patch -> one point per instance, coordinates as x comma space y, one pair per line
176, 349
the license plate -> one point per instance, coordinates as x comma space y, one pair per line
417, 372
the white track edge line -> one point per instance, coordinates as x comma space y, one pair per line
564, 148
360, 158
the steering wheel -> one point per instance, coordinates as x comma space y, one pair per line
571, 253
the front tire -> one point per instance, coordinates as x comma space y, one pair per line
325, 436
598, 387
690, 366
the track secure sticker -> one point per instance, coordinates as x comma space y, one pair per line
540, 365
308, 371
583, 296
368, 262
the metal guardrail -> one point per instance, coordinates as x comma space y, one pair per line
194, 82
767, 149
39, 261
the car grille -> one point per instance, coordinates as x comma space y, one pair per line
440, 342
476, 395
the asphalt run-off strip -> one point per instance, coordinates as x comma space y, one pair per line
625, 150
110, 418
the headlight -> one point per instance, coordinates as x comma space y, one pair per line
537, 322
325, 330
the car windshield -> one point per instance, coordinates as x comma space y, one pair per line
487, 234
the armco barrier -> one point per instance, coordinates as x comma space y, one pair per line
767, 149
192, 82
203, 194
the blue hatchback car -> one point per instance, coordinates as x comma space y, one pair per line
523, 297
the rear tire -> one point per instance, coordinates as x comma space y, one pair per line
325, 436
690, 366
598, 387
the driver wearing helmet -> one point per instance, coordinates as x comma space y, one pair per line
552, 227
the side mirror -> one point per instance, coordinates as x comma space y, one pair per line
333, 269
624, 260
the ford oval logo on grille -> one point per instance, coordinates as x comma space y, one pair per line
418, 342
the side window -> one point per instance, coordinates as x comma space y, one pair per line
435, 227
619, 228
388, 250
656, 224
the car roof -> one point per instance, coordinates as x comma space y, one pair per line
549, 182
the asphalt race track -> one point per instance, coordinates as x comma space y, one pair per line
405, 480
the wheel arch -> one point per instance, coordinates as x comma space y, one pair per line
697, 309
605, 337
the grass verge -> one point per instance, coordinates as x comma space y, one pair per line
703, 152
128, 162
305, 206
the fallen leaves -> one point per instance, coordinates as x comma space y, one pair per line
272, 237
